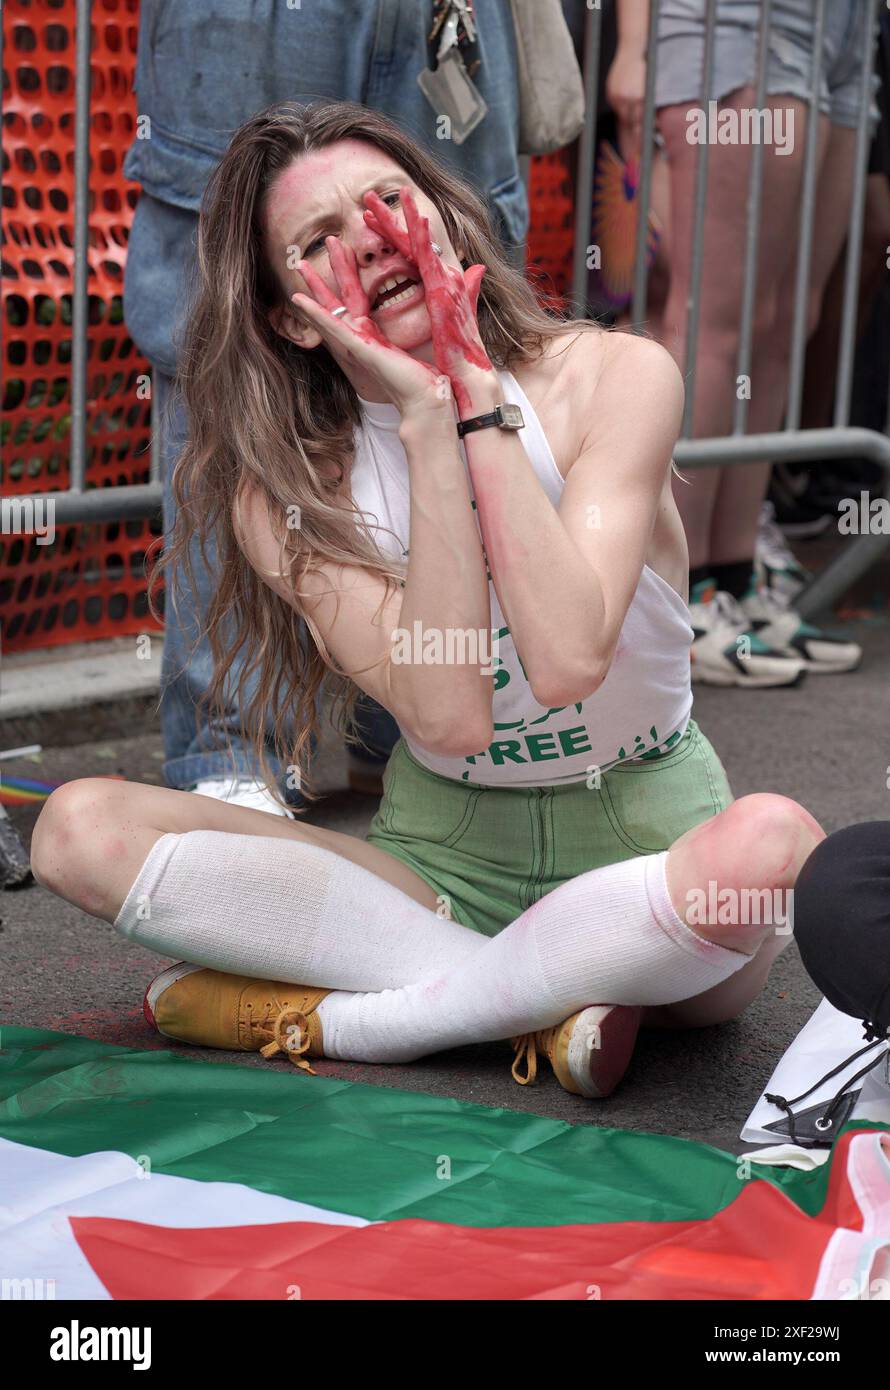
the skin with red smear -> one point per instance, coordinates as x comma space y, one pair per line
451, 295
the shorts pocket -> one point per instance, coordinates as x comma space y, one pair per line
420, 805
651, 804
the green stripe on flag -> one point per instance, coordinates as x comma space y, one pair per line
364, 1150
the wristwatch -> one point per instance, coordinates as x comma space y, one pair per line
506, 417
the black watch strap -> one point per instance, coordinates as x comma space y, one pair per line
506, 416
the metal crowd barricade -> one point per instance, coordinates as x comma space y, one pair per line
792, 442
119, 503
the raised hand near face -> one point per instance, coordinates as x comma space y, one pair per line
412, 385
451, 294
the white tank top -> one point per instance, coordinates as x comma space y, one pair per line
645, 701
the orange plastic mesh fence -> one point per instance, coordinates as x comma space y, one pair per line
89, 581
551, 236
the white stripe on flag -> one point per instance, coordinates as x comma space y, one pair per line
40, 1190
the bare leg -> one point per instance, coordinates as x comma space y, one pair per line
742, 489
707, 855
581, 942
721, 284
875, 241
124, 819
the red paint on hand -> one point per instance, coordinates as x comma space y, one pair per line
452, 296
345, 268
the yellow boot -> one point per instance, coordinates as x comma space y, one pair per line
236, 1012
589, 1052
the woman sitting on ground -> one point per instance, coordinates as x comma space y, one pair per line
552, 817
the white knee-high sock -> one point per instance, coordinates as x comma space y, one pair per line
288, 910
609, 936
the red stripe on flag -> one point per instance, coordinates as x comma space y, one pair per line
761, 1246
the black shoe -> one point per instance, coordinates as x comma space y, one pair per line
798, 513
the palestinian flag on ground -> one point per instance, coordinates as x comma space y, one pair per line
143, 1175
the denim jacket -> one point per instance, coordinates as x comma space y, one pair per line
205, 66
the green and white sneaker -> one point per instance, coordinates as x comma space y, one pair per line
771, 617
725, 650
775, 564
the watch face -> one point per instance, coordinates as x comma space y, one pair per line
511, 417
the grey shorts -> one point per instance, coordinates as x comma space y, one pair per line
847, 45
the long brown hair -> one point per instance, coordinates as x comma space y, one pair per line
264, 410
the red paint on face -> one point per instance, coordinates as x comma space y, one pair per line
360, 238
450, 296
334, 181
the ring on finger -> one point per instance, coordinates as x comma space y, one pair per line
436, 247
339, 311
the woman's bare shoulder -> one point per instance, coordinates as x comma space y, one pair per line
575, 361
622, 369
567, 360
590, 351
588, 375
575, 348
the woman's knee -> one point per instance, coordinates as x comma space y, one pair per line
759, 841
763, 840
732, 877
73, 823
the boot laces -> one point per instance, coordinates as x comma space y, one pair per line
525, 1050
288, 1033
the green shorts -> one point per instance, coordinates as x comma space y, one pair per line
490, 852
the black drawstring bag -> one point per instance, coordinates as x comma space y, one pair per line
842, 929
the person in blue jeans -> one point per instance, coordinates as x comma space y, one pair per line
201, 71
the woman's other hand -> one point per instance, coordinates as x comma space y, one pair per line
452, 295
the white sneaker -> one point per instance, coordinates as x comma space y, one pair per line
776, 565
771, 617
240, 791
726, 651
